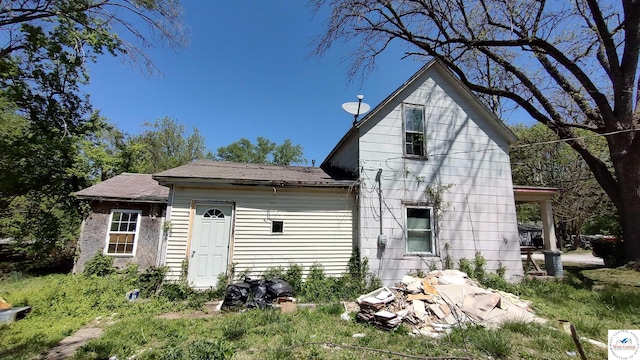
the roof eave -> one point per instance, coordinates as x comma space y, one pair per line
188, 180
154, 200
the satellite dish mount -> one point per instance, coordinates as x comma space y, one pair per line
356, 108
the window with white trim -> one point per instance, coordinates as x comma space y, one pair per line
122, 237
413, 118
419, 230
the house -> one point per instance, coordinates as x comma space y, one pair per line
434, 179
420, 182
125, 221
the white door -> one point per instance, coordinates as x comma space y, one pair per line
209, 244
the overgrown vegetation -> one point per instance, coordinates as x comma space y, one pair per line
66, 302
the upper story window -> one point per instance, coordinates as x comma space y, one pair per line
419, 230
413, 117
122, 237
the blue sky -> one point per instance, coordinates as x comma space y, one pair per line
247, 73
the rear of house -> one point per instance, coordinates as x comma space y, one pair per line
255, 217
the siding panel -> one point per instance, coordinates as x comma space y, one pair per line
318, 227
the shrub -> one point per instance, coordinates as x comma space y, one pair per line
274, 273
318, 287
294, 277
480, 262
175, 291
150, 281
100, 265
465, 266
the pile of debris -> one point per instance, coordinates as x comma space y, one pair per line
433, 304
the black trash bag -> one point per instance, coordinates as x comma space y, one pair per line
279, 288
236, 295
259, 297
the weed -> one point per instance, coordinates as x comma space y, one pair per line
150, 281
465, 266
175, 292
234, 329
501, 270
274, 273
204, 349
521, 327
480, 262
293, 276
100, 265
493, 342
335, 308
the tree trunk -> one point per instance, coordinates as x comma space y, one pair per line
629, 220
627, 165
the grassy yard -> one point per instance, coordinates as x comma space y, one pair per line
64, 303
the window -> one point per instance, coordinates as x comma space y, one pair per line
277, 226
214, 213
413, 130
419, 230
123, 232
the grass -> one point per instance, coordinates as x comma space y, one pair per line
64, 303
619, 276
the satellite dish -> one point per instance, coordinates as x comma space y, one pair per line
352, 107
356, 108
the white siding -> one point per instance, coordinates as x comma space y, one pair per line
318, 227
465, 152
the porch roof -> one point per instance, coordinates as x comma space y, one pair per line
526, 194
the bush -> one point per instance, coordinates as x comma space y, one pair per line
175, 292
150, 281
465, 266
318, 287
294, 277
480, 262
99, 265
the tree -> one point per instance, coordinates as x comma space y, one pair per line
539, 159
48, 44
163, 145
570, 65
264, 151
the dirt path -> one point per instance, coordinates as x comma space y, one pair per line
68, 346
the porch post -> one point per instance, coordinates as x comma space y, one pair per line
548, 229
552, 260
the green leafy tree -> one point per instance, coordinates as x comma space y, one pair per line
164, 144
264, 151
539, 159
43, 61
47, 120
571, 65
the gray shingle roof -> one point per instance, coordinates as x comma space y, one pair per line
225, 172
126, 186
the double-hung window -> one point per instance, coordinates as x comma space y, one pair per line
419, 230
413, 117
122, 237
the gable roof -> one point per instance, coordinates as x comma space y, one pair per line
208, 172
439, 66
127, 187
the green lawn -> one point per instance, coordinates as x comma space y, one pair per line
64, 303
